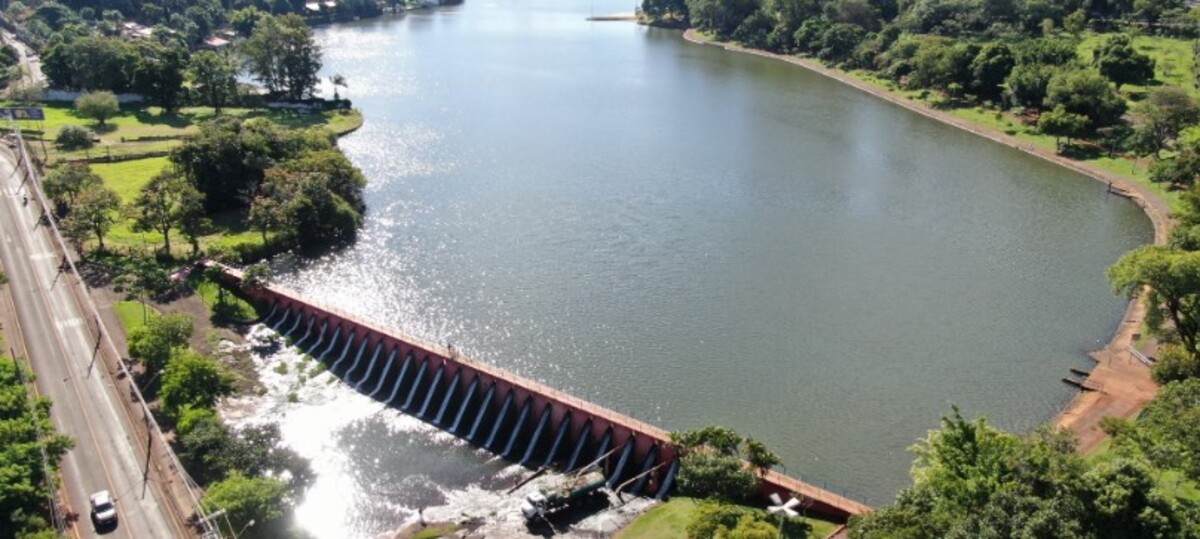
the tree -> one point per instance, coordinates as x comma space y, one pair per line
154, 343
989, 68
99, 106
257, 275
245, 20
158, 75
1172, 281
160, 205
338, 81
192, 220
27, 481
214, 77
65, 181
283, 55
261, 499
1152, 10
705, 473
1175, 364
721, 17
839, 41
1026, 84
1121, 63
73, 137
1062, 124
93, 212
191, 380
1167, 431
759, 456
1165, 112
1086, 93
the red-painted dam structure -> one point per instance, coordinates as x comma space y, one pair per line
522, 420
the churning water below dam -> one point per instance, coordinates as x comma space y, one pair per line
691, 237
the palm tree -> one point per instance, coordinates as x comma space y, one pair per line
338, 81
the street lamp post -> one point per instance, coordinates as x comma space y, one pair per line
239, 533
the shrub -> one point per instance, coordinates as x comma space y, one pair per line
73, 137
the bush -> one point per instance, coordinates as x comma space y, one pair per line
708, 474
99, 106
73, 137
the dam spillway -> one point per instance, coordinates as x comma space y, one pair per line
513, 416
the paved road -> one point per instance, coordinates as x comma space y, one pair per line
31, 63
64, 354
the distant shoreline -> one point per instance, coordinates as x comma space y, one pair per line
1125, 383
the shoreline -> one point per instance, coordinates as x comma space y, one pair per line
1124, 383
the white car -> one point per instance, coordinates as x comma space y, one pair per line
104, 513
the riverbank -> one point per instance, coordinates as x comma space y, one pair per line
1123, 383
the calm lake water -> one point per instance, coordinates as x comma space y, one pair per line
695, 237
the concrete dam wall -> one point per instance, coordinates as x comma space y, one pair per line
521, 420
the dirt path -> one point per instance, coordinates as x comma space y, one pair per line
1123, 382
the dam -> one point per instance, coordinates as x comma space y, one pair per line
521, 420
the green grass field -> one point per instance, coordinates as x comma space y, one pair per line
133, 314
669, 520
141, 130
1172, 57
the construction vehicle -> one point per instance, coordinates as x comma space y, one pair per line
561, 493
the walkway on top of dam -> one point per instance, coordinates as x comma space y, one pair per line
615, 439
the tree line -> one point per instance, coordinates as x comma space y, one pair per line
1015, 55
29, 457
189, 22
247, 472
278, 51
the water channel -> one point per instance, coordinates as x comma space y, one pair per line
692, 237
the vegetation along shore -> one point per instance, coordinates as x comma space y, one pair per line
1105, 89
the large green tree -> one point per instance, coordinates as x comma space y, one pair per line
213, 76
1164, 114
283, 55
245, 499
1172, 281
158, 74
65, 181
162, 204
1121, 63
154, 343
191, 380
1086, 92
93, 212
26, 481
1060, 124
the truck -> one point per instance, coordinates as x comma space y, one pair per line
558, 494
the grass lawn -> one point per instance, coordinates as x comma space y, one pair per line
668, 520
131, 314
140, 130
665, 521
1173, 62
128, 177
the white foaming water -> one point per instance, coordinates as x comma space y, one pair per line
351, 441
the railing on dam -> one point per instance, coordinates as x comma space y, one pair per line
520, 419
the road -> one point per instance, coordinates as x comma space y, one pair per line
31, 63
63, 350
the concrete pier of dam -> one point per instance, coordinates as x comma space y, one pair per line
519, 419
